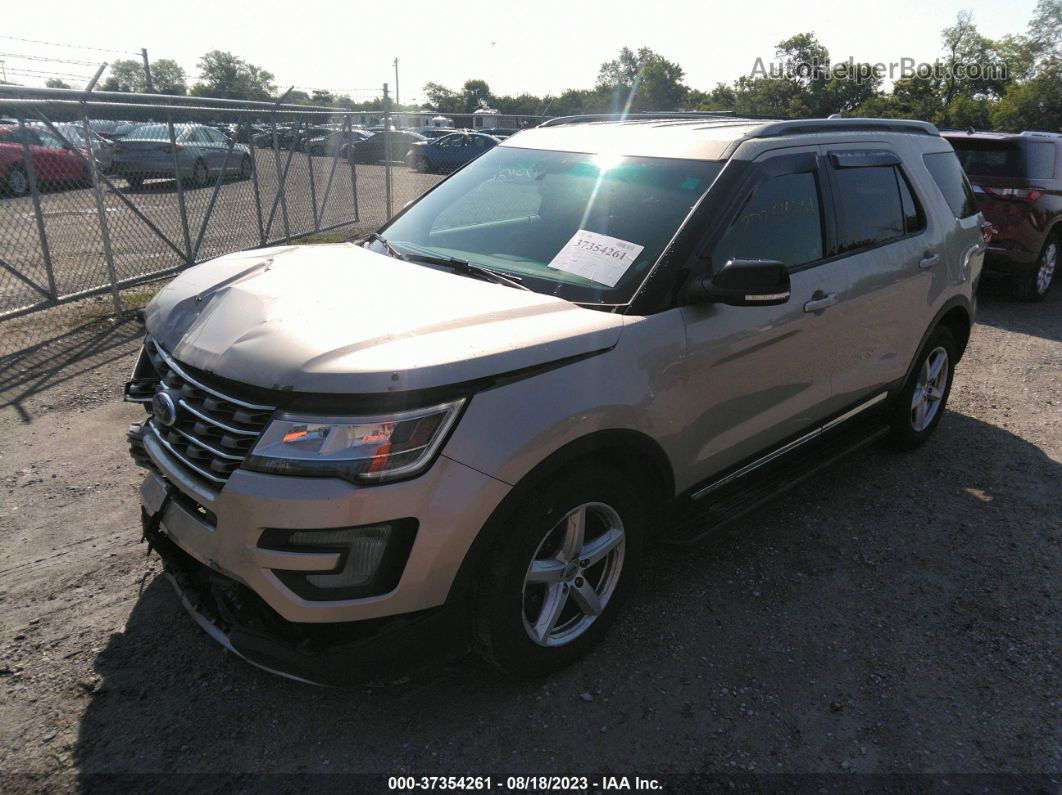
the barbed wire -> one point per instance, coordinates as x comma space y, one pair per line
21, 56
70, 46
43, 73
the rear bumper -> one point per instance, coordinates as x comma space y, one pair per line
323, 654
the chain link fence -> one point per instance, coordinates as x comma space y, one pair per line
103, 196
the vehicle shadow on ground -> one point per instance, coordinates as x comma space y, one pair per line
61, 357
854, 608
998, 308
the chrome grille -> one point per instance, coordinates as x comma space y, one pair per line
214, 431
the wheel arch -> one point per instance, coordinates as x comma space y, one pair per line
623, 449
957, 317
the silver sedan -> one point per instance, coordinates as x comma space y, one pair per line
202, 153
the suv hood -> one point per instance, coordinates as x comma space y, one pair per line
342, 319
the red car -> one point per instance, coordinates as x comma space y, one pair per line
1017, 178
53, 162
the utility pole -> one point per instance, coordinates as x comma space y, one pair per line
3, 70
397, 100
147, 71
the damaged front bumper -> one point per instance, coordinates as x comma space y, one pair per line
323, 654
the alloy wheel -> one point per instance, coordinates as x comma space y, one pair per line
18, 182
573, 574
1046, 273
929, 389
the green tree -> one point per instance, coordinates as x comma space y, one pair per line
55, 82
168, 77
442, 99
226, 76
642, 80
125, 75
1035, 104
475, 94
1045, 30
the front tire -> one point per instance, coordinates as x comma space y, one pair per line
916, 411
245, 167
16, 181
1036, 284
422, 165
559, 578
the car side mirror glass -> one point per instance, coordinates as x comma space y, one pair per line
743, 282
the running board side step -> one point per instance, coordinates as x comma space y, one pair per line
692, 521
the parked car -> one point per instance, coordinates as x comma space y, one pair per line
499, 132
202, 152
53, 162
431, 132
102, 149
123, 129
449, 152
106, 127
287, 135
464, 431
372, 149
1017, 179
245, 133
333, 141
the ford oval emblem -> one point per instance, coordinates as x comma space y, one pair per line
164, 408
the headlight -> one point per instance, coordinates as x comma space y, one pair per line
367, 449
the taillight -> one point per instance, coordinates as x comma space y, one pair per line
1016, 194
119, 148
168, 148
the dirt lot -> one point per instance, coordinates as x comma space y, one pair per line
899, 614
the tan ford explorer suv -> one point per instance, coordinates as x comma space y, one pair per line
462, 431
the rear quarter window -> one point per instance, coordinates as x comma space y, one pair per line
946, 171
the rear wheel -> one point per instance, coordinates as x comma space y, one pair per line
1034, 285
135, 182
245, 167
200, 175
16, 181
560, 576
916, 411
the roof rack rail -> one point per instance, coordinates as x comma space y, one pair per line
1040, 134
586, 118
811, 126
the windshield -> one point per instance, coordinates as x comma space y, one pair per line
1023, 159
584, 227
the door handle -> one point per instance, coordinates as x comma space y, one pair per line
815, 304
929, 260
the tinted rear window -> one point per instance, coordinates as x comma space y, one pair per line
949, 176
1021, 159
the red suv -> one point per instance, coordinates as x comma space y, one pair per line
1017, 178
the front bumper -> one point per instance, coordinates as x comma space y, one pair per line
322, 654
221, 529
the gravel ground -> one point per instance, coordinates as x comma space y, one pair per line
898, 614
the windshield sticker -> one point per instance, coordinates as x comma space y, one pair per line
599, 258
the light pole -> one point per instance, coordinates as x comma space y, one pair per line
397, 100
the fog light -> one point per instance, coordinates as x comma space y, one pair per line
371, 559
363, 547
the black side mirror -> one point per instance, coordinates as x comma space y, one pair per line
743, 282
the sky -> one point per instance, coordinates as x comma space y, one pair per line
539, 47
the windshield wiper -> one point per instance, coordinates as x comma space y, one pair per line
467, 268
390, 249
